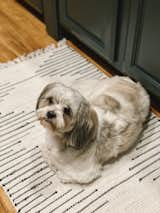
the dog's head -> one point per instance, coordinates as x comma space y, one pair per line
67, 112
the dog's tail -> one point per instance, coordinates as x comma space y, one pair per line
144, 101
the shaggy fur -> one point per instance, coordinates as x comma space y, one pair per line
83, 133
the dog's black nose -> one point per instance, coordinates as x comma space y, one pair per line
51, 114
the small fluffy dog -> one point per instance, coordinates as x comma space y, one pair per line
82, 134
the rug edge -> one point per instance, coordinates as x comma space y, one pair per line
34, 53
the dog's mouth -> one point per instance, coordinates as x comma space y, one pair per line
47, 123
44, 119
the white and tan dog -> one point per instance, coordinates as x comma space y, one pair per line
83, 133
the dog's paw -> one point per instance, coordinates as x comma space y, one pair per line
64, 178
88, 179
80, 179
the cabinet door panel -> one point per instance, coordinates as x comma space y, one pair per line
93, 22
148, 55
90, 16
143, 46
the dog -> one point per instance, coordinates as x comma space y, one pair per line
84, 133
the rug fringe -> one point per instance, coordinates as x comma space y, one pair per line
28, 56
62, 42
33, 54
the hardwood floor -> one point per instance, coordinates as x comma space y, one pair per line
5, 204
20, 31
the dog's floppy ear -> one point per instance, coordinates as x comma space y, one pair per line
38, 100
42, 94
85, 129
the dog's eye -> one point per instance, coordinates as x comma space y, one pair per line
50, 100
67, 110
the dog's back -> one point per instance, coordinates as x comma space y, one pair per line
125, 107
131, 96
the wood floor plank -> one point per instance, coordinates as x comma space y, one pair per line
20, 31
5, 204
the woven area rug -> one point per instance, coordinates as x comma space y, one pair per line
129, 185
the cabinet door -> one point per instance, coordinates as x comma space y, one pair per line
93, 22
143, 45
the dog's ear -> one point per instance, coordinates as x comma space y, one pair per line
38, 101
85, 129
42, 94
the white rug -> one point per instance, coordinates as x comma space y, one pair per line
129, 185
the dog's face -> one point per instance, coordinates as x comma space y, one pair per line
58, 105
66, 110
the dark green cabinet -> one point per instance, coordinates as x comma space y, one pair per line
100, 25
91, 22
125, 33
142, 60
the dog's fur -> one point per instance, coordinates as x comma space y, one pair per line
87, 132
